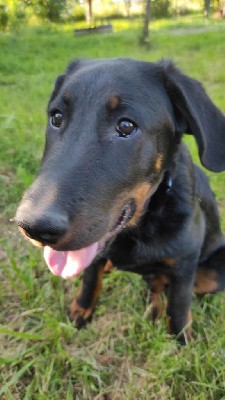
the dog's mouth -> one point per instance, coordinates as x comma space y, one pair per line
125, 216
68, 264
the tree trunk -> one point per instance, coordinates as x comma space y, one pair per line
206, 7
223, 10
128, 5
147, 16
88, 13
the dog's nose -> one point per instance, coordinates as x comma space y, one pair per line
49, 228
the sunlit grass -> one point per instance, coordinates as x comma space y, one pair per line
190, 22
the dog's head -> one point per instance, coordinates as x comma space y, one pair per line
113, 127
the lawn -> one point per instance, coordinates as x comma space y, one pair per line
120, 355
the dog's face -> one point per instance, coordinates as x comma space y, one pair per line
112, 131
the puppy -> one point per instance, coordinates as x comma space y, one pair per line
118, 186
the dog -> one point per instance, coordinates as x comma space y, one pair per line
117, 186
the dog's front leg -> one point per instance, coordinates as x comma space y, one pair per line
82, 308
180, 297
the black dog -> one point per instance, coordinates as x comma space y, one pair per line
117, 185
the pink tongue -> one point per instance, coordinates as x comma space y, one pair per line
69, 263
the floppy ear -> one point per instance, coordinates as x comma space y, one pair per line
72, 67
58, 84
198, 115
75, 64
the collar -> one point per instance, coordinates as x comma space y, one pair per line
168, 181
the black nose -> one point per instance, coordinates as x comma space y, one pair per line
48, 228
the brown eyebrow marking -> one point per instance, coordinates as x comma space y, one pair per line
66, 96
113, 102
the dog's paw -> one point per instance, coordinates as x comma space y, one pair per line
79, 315
156, 307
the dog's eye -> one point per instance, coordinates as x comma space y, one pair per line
125, 128
56, 118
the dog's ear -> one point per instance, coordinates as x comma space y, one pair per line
72, 67
197, 115
58, 84
75, 65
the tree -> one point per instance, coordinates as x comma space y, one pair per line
4, 17
88, 13
51, 9
147, 15
47, 9
206, 7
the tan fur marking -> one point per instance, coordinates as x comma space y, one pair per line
34, 242
205, 281
113, 102
158, 163
169, 262
159, 282
140, 194
98, 287
23, 232
157, 305
66, 96
158, 302
108, 268
77, 311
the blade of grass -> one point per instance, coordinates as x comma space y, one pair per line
22, 335
16, 377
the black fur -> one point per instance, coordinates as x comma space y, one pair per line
86, 167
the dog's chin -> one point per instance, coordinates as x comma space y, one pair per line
68, 263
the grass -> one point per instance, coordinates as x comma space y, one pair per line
120, 355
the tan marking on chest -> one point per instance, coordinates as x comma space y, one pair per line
169, 262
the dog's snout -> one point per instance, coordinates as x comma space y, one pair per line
48, 228
48, 235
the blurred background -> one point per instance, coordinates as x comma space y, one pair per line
16, 13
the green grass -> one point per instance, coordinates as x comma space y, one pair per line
120, 355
